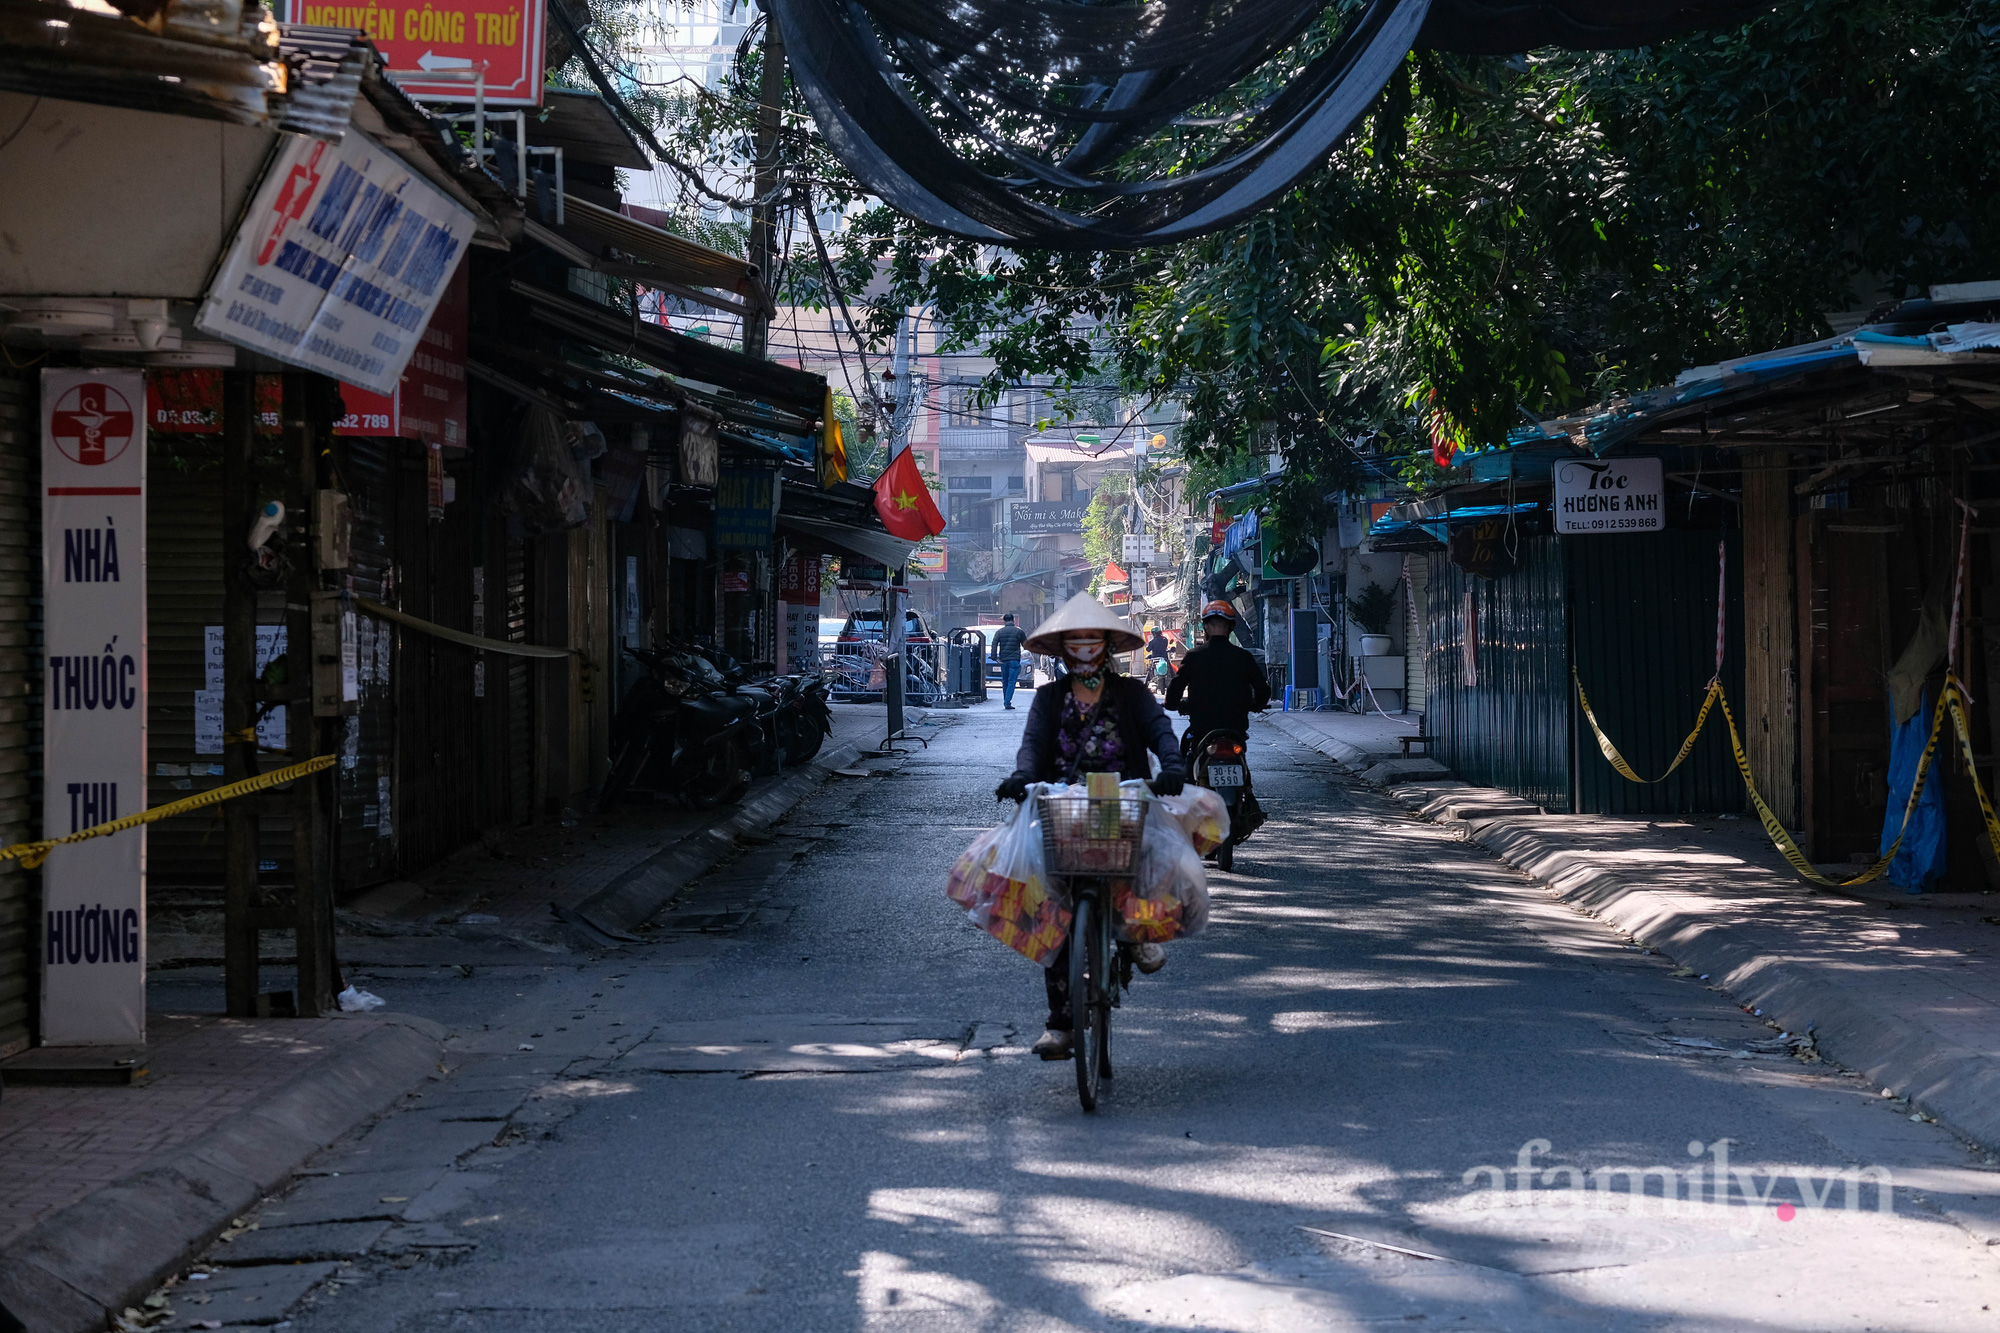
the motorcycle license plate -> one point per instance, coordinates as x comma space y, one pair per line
1225, 775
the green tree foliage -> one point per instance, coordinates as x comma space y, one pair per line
1498, 237
1104, 522
1502, 237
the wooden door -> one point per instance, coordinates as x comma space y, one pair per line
1843, 668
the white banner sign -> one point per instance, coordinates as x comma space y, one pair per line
1609, 495
94, 705
339, 263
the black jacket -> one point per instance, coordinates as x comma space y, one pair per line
1217, 687
1142, 727
1007, 641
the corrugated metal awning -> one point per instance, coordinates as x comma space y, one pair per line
848, 539
212, 59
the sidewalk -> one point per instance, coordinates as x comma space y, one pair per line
1903, 988
501, 889
106, 1190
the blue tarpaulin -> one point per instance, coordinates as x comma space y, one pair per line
1919, 861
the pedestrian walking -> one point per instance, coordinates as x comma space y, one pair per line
1007, 651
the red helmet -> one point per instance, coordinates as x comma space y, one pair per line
1219, 608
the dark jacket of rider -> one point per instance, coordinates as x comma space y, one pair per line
1218, 686
1142, 728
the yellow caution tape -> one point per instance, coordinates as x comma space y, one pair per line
32, 854
1954, 694
1618, 760
1950, 700
1789, 849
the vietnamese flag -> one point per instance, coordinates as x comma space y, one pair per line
905, 503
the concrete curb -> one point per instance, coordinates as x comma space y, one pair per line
635, 895
1348, 756
1957, 1084
72, 1272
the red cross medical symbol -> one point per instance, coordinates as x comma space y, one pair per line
92, 424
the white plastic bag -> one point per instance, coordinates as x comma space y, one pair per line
1002, 883
1168, 898
1203, 814
354, 1000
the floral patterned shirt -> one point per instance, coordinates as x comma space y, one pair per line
1087, 738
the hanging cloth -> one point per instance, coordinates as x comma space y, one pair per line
1919, 861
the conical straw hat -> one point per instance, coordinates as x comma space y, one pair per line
1083, 612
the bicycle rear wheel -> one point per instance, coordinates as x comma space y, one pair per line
1089, 1001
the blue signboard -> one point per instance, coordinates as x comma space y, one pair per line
746, 507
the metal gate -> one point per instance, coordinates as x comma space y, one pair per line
1497, 692
1642, 629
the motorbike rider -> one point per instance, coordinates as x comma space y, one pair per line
1090, 719
1218, 685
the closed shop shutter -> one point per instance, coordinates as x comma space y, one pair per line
368, 807
442, 759
1416, 636
520, 681
20, 700
184, 565
1499, 687
1643, 632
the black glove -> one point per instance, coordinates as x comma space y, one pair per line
1013, 787
1169, 783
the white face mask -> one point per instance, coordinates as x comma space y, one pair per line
1084, 655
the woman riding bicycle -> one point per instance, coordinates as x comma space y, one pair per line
1090, 720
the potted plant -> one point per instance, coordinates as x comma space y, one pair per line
1370, 610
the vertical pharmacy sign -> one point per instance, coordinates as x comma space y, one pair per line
94, 704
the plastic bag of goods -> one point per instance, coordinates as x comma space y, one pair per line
1168, 898
1202, 813
1001, 883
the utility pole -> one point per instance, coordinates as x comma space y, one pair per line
764, 184
892, 610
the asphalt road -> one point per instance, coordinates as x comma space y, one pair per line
1392, 1084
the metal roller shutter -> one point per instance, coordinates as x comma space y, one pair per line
520, 683
367, 852
20, 700
442, 764
183, 598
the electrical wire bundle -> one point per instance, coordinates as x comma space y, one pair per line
1060, 124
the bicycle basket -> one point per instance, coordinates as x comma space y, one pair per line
1086, 836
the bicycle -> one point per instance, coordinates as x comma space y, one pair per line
1090, 843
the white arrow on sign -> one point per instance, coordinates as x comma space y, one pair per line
430, 63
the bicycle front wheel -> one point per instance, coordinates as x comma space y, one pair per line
1089, 1002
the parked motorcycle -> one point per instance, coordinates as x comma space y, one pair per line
681, 730
805, 717
793, 714
1219, 762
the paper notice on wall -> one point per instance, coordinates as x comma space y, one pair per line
801, 637
208, 702
339, 262
208, 725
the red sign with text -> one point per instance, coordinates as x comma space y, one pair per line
432, 48
189, 402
